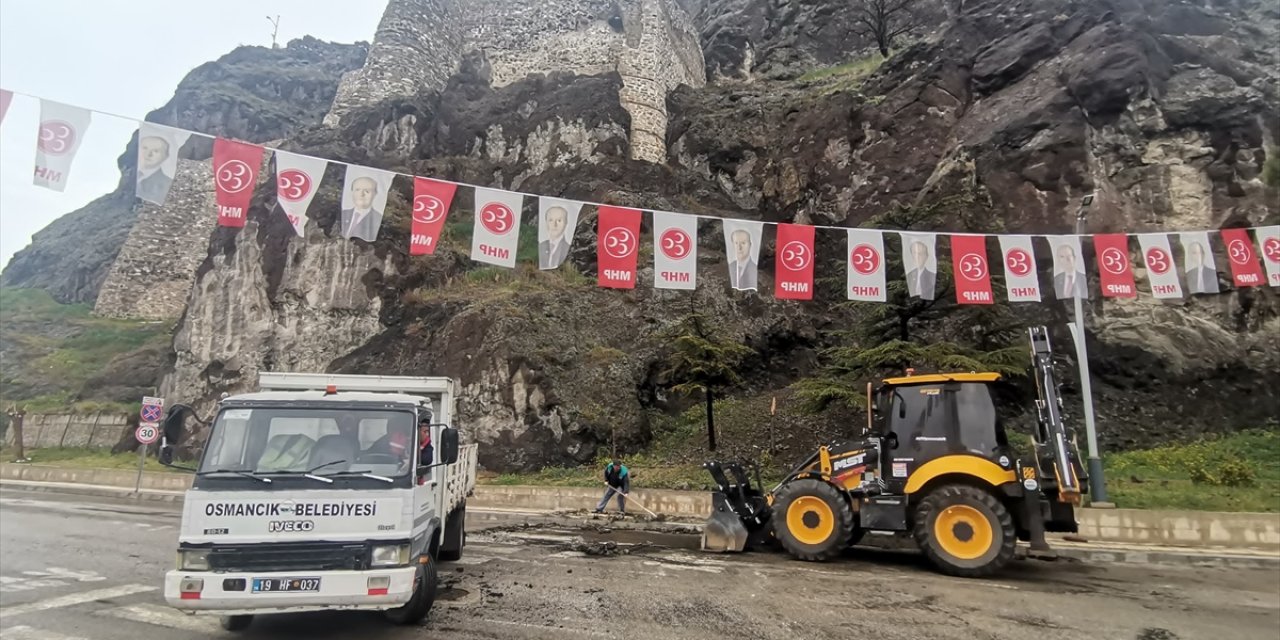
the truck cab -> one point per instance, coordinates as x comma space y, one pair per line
321, 492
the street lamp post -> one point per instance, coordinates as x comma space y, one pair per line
1097, 486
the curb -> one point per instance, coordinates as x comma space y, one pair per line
1082, 552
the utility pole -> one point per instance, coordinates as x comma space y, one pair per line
1097, 485
275, 28
16, 417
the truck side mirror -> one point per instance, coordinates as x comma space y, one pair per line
448, 445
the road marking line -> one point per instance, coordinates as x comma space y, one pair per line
73, 599
164, 617
22, 632
527, 625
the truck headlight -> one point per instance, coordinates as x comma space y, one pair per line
193, 560
390, 555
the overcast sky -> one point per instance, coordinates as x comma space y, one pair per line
84, 52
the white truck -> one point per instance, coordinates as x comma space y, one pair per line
322, 492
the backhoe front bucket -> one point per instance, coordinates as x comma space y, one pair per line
724, 530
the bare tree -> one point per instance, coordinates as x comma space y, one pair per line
885, 20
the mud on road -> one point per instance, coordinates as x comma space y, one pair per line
560, 583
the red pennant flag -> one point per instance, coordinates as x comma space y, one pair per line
431, 202
1114, 269
235, 172
1244, 262
617, 239
793, 262
972, 273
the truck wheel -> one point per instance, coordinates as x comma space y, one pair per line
455, 535
424, 595
236, 623
812, 520
964, 531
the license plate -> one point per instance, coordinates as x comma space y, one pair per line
273, 585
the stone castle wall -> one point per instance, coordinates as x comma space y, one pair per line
650, 43
152, 276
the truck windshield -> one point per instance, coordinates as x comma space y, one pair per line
265, 440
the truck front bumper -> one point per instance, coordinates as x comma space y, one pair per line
232, 593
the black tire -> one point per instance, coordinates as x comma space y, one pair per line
455, 535
974, 516
236, 623
808, 530
424, 595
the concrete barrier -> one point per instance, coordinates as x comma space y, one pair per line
52, 430
1138, 526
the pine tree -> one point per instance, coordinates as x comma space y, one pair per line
703, 361
904, 332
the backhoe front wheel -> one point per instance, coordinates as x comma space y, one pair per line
812, 520
964, 531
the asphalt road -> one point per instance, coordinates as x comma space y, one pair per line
73, 567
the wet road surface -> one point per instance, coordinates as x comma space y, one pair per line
73, 567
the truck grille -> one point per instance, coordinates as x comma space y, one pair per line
323, 556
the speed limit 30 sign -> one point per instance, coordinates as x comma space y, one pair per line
147, 433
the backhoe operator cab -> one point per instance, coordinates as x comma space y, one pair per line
934, 462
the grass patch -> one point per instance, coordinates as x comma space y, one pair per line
1238, 472
85, 458
852, 71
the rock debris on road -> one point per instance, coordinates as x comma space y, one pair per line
91, 568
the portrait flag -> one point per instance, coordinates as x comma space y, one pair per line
920, 264
557, 223
235, 172
742, 245
1020, 279
431, 202
297, 180
866, 279
1269, 240
675, 251
62, 129
1158, 258
1244, 263
1115, 273
1069, 280
793, 262
6, 98
158, 147
364, 201
971, 270
617, 244
1198, 264
497, 227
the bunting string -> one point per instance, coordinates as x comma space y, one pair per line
497, 228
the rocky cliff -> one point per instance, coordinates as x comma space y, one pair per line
1166, 110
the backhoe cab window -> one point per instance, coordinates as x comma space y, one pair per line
267, 440
921, 415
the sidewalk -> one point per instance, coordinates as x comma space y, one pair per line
478, 512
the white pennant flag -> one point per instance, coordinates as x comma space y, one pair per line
364, 199
1198, 263
742, 245
1161, 272
158, 147
557, 223
675, 250
1269, 240
62, 129
1020, 277
866, 279
497, 227
920, 264
297, 180
1069, 279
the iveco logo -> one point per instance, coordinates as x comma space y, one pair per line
277, 526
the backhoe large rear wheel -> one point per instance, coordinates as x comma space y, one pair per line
964, 531
812, 520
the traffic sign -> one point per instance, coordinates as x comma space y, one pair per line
152, 409
148, 432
